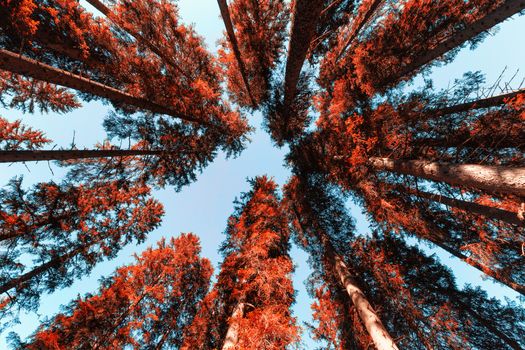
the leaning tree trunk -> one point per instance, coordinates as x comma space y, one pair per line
19, 64
134, 33
471, 207
232, 335
359, 23
225, 13
305, 17
493, 179
34, 156
380, 336
477, 104
504, 11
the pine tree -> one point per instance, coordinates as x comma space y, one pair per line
249, 306
54, 233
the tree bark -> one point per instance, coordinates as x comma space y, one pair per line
305, 17
489, 212
465, 140
477, 104
34, 156
232, 335
494, 179
382, 340
225, 14
109, 14
504, 11
19, 64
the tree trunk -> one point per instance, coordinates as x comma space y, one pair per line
359, 23
489, 212
109, 14
232, 335
465, 140
494, 179
35, 156
382, 340
438, 239
504, 11
19, 64
305, 17
477, 104
225, 14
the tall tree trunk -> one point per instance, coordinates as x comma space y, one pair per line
477, 104
19, 64
494, 179
504, 11
225, 14
382, 340
99, 5
232, 335
359, 23
438, 239
489, 212
35, 156
305, 17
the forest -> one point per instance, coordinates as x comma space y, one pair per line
344, 93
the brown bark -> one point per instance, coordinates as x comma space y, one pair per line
504, 11
19, 64
34, 156
477, 104
99, 5
489, 212
225, 13
232, 335
494, 179
305, 17
380, 336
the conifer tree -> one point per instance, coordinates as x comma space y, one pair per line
53, 233
145, 305
249, 306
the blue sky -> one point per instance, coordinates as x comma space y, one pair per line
204, 206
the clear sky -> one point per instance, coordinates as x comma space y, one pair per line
204, 206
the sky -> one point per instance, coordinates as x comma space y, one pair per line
204, 206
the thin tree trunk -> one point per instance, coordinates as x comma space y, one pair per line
489, 212
477, 104
380, 336
465, 140
232, 335
305, 17
359, 23
99, 5
35, 156
494, 179
504, 11
225, 14
19, 64
438, 239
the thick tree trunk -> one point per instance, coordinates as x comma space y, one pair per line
477, 104
382, 340
504, 11
225, 13
494, 179
489, 212
35, 156
305, 17
359, 23
19, 64
109, 14
232, 335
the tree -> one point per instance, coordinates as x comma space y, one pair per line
249, 306
254, 48
147, 304
15, 136
54, 233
